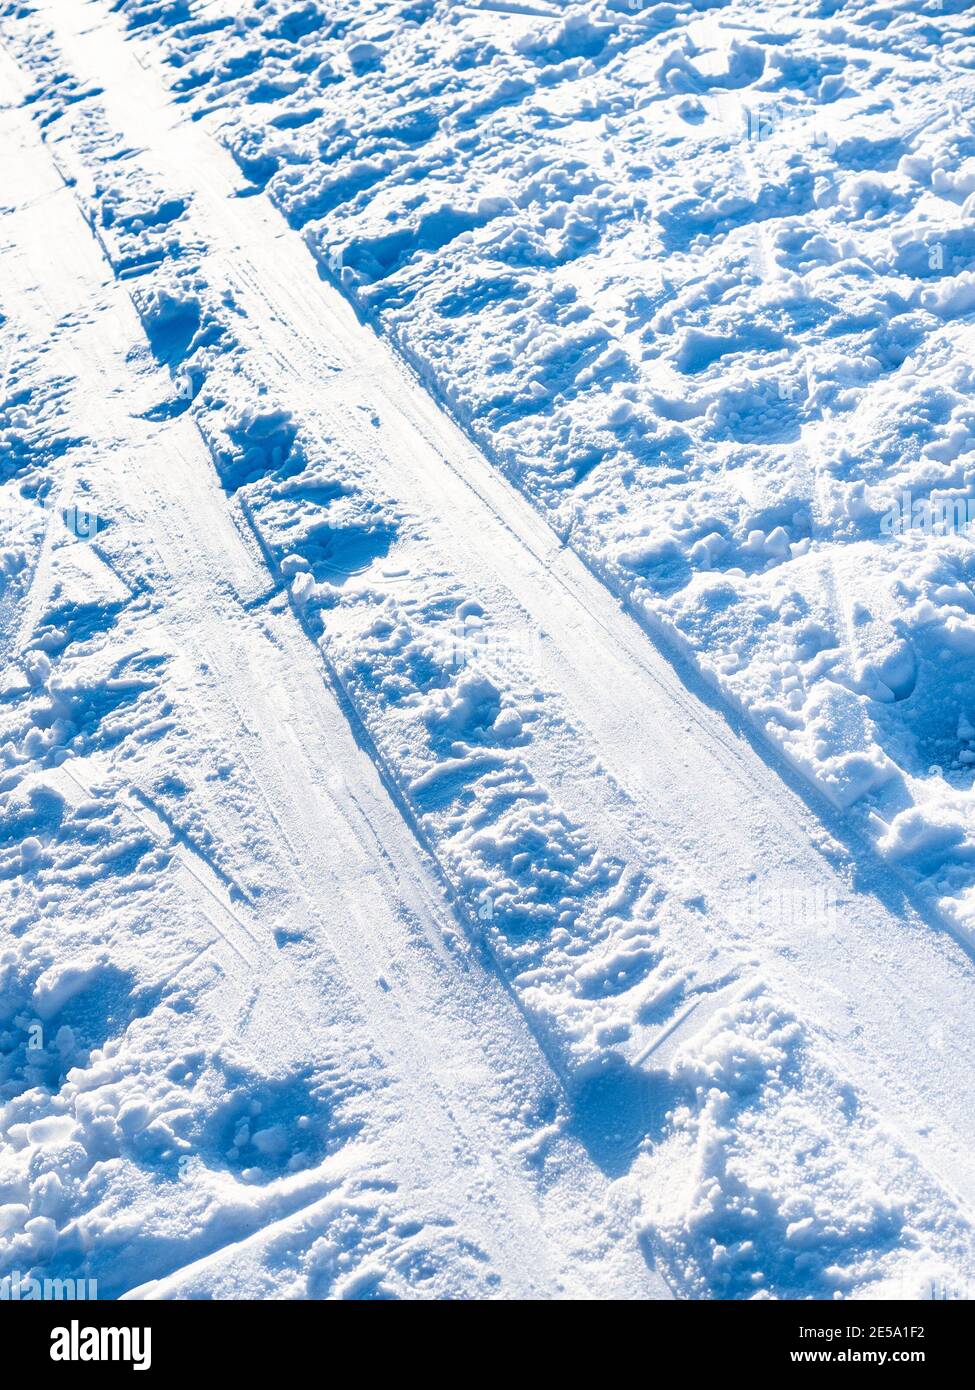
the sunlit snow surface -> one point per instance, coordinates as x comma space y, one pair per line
487, 720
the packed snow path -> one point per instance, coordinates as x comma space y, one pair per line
783, 957
446, 1057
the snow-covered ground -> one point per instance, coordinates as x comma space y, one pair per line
486, 715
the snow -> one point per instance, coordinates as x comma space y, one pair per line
486, 742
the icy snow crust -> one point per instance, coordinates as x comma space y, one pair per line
676, 272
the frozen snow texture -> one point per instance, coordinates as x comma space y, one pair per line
698, 291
